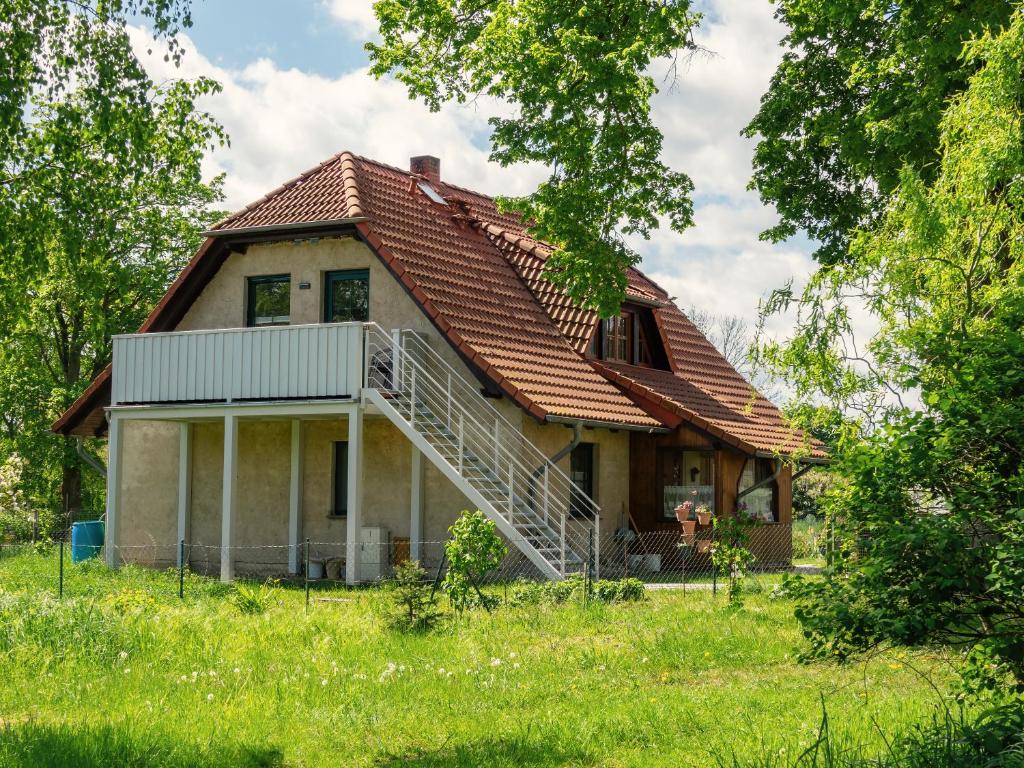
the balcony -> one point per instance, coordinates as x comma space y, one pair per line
299, 362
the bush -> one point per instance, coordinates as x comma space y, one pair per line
473, 551
253, 599
573, 588
414, 608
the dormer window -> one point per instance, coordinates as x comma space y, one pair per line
617, 338
630, 337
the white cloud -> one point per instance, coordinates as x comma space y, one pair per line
283, 121
355, 16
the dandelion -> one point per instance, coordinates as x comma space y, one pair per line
237, 671
209, 697
127, 670
440, 670
511, 654
495, 662
516, 665
212, 673
323, 681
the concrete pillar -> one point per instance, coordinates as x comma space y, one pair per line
416, 505
115, 447
229, 498
184, 486
295, 499
355, 496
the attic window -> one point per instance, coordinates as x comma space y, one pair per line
430, 192
631, 337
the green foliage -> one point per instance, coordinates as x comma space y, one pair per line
577, 76
858, 96
930, 517
730, 552
254, 599
993, 738
94, 236
473, 551
809, 491
414, 607
573, 589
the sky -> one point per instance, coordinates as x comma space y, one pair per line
297, 90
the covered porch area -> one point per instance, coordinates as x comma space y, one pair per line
239, 489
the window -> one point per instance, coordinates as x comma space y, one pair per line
617, 338
685, 476
762, 503
581, 472
347, 296
268, 301
340, 480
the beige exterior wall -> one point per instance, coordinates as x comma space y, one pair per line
148, 527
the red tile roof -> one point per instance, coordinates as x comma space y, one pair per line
479, 276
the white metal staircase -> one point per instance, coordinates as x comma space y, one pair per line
533, 503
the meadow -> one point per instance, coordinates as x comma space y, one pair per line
120, 672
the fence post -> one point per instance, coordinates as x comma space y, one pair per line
590, 561
181, 569
714, 570
60, 578
305, 574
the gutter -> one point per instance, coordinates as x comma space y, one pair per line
607, 425
291, 227
87, 457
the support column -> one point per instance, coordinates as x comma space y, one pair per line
184, 486
229, 499
355, 495
416, 504
115, 441
295, 499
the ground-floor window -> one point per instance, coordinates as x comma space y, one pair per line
685, 475
339, 479
581, 472
761, 503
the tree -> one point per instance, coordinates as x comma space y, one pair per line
577, 77
97, 237
858, 96
930, 517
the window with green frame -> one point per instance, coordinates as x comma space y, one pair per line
268, 300
347, 296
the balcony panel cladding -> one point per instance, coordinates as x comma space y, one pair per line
277, 363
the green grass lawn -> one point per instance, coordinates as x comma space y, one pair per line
123, 673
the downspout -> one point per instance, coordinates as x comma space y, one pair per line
87, 457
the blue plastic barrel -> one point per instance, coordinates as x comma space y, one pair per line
86, 540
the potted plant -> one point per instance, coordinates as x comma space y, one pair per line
683, 511
704, 514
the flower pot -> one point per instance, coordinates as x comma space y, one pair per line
704, 546
682, 511
689, 527
704, 518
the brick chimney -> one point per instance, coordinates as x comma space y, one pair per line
427, 166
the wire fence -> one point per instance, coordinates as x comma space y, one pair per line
667, 558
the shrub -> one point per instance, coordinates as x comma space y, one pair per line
573, 588
253, 599
414, 608
730, 555
473, 551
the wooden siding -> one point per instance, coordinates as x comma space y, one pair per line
279, 363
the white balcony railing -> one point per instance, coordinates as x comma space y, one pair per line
279, 363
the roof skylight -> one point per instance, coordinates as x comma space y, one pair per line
430, 192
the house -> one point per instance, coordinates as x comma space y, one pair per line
366, 351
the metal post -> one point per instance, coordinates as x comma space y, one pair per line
181, 569
305, 574
714, 570
511, 491
564, 513
461, 442
60, 578
412, 397
625, 555
590, 563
